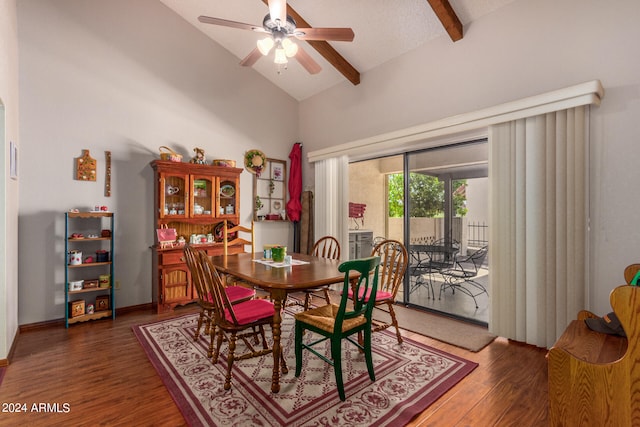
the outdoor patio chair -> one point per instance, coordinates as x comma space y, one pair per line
338, 322
430, 259
419, 269
464, 274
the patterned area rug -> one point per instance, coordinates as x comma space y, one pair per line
409, 378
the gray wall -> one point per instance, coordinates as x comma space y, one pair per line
125, 76
524, 49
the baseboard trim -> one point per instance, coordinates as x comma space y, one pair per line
57, 322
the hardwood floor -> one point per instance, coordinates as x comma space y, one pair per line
96, 373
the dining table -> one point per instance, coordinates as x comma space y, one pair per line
279, 280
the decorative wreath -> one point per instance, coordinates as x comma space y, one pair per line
255, 161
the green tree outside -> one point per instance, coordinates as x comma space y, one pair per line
426, 194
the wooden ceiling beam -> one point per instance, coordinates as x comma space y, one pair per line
448, 18
326, 50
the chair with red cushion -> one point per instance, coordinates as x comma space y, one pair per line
393, 264
235, 294
232, 320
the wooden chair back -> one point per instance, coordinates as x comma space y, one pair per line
394, 260
367, 284
326, 247
238, 239
630, 273
216, 287
192, 259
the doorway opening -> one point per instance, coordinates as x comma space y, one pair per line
435, 202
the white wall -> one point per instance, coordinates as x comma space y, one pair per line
126, 77
523, 49
8, 187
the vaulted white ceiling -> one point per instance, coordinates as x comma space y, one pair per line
383, 30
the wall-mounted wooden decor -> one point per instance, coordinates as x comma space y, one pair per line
86, 167
107, 178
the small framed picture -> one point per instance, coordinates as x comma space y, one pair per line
13, 160
277, 172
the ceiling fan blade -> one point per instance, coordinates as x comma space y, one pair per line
278, 10
252, 58
232, 24
307, 61
333, 34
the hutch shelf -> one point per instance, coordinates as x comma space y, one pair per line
89, 268
194, 200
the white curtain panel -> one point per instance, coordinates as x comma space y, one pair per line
332, 200
538, 215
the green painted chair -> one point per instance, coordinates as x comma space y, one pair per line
337, 322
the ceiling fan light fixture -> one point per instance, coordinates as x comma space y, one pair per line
281, 57
265, 45
290, 48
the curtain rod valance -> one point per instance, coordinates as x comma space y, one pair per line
588, 93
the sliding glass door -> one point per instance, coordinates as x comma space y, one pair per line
436, 211
435, 202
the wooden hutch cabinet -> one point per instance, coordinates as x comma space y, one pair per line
194, 200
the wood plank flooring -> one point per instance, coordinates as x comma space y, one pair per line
96, 373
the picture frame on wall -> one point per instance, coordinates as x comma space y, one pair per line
277, 171
13, 163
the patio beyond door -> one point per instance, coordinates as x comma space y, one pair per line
435, 202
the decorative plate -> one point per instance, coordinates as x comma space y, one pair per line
227, 190
217, 231
255, 161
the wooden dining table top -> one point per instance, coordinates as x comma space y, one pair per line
318, 271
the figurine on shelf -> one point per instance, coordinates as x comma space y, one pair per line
199, 157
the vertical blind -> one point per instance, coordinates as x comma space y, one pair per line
538, 215
332, 200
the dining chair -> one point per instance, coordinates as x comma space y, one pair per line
235, 294
237, 321
463, 275
231, 236
337, 322
393, 265
326, 247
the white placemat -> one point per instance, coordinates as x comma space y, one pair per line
272, 263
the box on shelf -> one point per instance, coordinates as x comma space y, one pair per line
102, 256
76, 308
104, 280
90, 284
102, 303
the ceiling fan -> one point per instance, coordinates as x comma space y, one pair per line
281, 28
